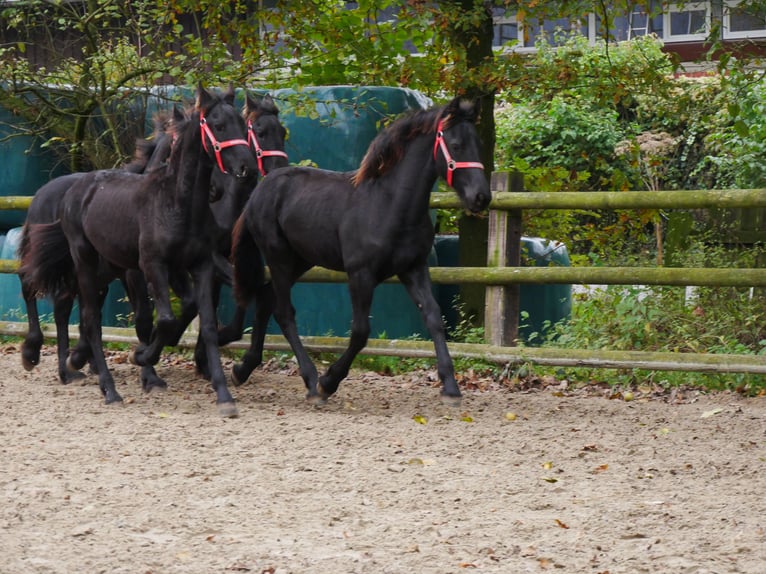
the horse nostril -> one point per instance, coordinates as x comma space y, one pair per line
243, 172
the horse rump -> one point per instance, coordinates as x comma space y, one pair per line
46, 265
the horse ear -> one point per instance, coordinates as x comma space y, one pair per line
228, 97
462, 108
203, 98
251, 105
178, 114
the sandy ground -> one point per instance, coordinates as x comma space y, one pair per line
383, 479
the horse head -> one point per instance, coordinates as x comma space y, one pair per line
265, 134
457, 153
223, 134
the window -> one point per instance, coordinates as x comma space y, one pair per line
738, 22
505, 30
508, 29
687, 22
631, 25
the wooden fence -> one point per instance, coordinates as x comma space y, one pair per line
503, 275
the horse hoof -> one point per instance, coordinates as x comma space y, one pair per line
70, 376
316, 400
148, 387
111, 399
70, 367
452, 401
228, 410
235, 379
28, 365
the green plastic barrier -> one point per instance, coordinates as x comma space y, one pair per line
114, 313
24, 169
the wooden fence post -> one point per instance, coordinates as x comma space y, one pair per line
501, 310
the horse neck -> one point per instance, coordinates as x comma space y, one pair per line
193, 183
408, 185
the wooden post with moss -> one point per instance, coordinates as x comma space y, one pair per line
501, 308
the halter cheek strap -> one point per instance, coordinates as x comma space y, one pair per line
452, 165
260, 153
207, 133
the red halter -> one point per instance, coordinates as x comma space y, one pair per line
452, 165
259, 152
217, 146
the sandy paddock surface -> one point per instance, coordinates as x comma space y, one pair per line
383, 479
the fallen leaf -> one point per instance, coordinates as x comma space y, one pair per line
601, 468
561, 524
466, 419
509, 416
550, 479
711, 413
420, 419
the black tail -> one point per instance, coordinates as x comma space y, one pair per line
46, 264
248, 266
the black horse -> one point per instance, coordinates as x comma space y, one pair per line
44, 208
373, 223
157, 223
266, 136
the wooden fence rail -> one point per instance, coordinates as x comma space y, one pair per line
503, 275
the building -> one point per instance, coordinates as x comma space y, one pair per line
687, 29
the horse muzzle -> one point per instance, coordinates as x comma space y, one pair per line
479, 202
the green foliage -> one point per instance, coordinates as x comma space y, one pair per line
673, 319
738, 147
568, 136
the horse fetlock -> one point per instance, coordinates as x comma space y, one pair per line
74, 363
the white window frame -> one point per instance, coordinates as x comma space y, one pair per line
670, 9
739, 35
519, 46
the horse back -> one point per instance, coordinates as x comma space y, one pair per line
301, 209
46, 202
102, 210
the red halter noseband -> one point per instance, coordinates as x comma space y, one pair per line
452, 165
259, 152
217, 146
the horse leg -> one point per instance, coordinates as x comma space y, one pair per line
203, 284
62, 310
200, 353
361, 287
82, 352
264, 308
183, 289
284, 313
166, 327
138, 295
30, 349
417, 281
91, 298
